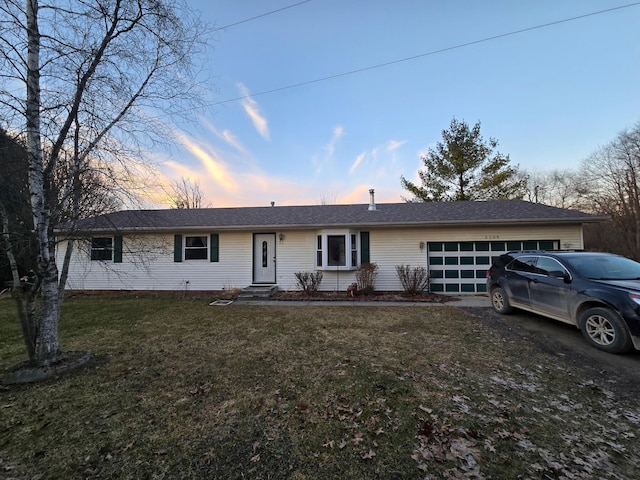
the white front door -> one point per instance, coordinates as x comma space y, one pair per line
264, 258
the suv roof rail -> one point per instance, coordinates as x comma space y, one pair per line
546, 251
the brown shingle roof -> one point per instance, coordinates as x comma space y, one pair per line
327, 216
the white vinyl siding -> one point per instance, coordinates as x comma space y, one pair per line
148, 260
296, 252
148, 264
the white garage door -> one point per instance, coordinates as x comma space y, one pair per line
461, 267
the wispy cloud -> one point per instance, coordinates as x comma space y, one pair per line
215, 166
375, 153
357, 162
253, 111
232, 140
328, 150
393, 145
226, 135
358, 194
229, 181
182, 171
160, 193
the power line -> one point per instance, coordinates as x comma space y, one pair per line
261, 15
433, 52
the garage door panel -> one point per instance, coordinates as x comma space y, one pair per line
460, 267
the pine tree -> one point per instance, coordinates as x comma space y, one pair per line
465, 167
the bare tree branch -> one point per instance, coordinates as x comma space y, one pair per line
185, 193
100, 78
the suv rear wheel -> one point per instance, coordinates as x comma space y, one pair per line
604, 329
500, 301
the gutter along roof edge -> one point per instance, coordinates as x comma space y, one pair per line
446, 223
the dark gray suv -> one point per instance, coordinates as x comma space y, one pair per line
597, 292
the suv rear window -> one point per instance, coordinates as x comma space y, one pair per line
523, 264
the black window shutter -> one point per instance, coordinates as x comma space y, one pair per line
365, 256
117, 249
214, 255
177, 248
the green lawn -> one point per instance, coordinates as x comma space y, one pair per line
180, 389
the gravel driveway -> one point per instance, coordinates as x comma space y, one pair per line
619, 373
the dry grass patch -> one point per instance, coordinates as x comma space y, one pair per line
179, 389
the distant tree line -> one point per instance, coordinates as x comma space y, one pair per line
607, 182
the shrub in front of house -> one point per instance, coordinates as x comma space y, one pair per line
414, 280
366, 278
308, 282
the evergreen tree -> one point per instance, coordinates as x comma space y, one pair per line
465, 167
16, 223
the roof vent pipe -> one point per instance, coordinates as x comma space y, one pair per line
372, 202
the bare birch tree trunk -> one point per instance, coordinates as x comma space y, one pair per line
109, 68
46, 335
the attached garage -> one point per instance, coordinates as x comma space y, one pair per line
460, 267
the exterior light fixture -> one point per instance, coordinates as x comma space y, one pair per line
281, 237
421, 246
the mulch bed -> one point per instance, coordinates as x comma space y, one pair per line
374, 297
293, 295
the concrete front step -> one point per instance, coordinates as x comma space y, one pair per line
258, 292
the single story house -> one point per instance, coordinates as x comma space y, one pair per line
226, 248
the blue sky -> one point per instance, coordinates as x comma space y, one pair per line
550, 96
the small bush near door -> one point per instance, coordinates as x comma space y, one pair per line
414, 280
366, 278
309, 282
